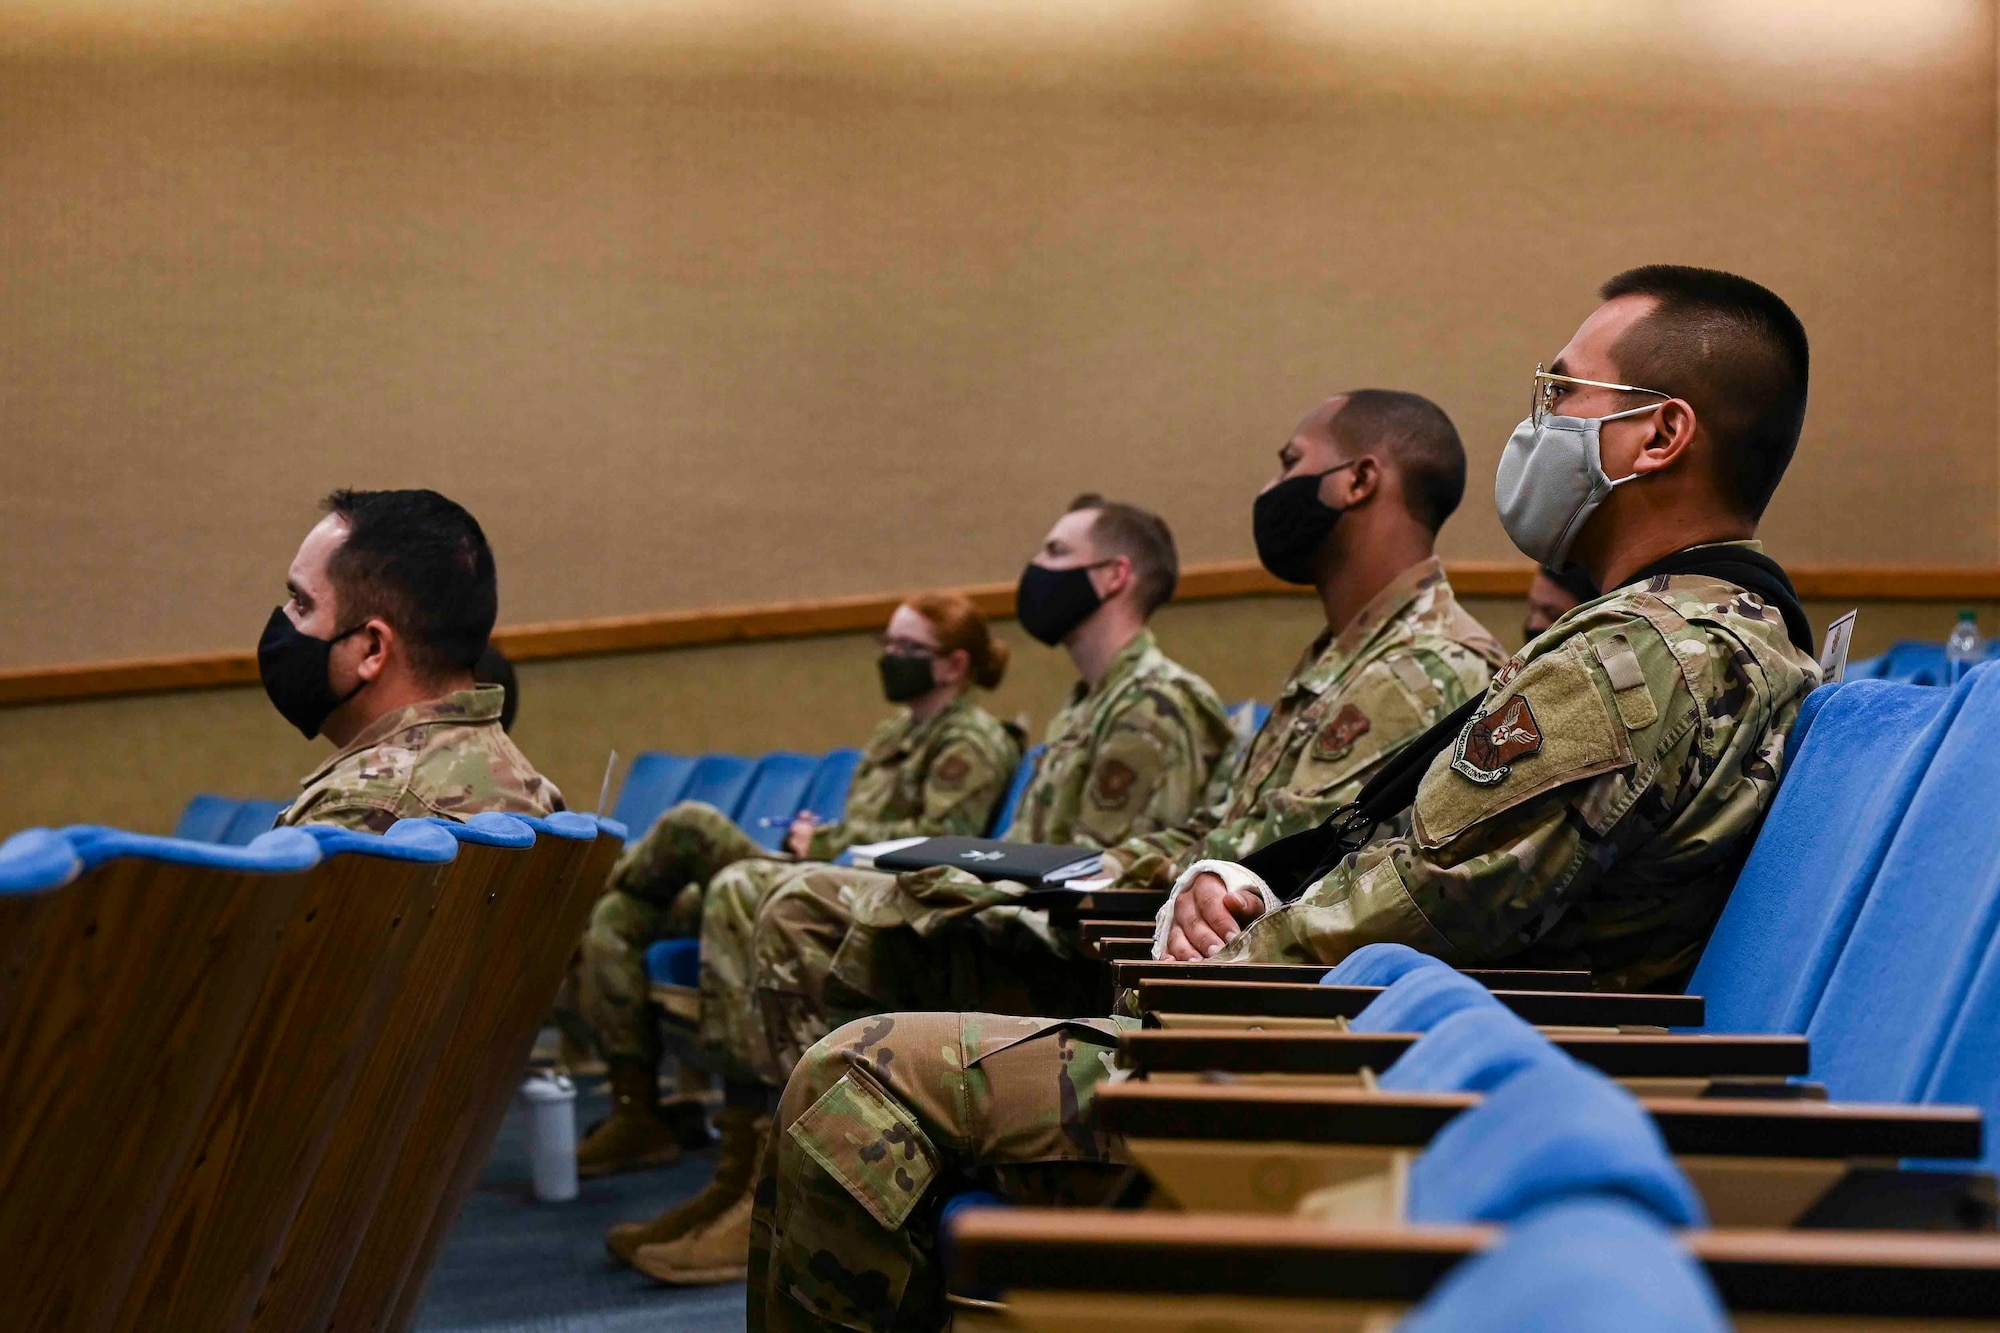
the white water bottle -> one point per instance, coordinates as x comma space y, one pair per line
1964, 648
551, 1103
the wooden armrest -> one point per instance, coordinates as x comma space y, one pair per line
1129, 904
1118, 951
1268, 1113
1913, 1275
1493, 978
1096, 929
1617, 1054
1290, 1000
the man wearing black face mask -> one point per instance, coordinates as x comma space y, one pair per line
390, 601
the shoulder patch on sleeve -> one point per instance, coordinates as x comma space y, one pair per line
1114, 783
1549, 726
951, 771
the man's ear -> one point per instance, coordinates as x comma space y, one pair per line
1353, 486
1113, 578
378, 640
1674, 428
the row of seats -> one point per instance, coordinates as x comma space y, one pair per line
1911, 662
1858, 960
249, 1088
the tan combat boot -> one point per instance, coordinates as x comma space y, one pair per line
743, 1134
633, 1137
716, 1253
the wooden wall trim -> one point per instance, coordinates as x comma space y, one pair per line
835, 615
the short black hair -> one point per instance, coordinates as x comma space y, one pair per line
1141, 536
493, 668
420, 562
1422, 445
1736, 353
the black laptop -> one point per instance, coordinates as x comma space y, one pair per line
992, 859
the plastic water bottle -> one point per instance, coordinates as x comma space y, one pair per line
1964, 648
551, 1103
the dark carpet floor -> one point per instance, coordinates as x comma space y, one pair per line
515, 1266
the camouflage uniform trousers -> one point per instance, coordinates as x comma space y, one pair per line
654, 892
835, 945
889, 1117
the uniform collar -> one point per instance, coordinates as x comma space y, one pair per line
1414, 591
910, 735
1124, 665
478, 706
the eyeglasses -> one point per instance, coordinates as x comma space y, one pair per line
896, 647
1550, 386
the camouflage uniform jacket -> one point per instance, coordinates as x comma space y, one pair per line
941, 775
1405, 660
1597, 810
445, 757
1128, 757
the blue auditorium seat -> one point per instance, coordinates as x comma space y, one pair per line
1903, 986
1580, 1265
655, 781
1554, 1130
276, 852
1474, 1050
721, 780
1420, 999
675, 962
251, 818
205, 818
1842, 799
1379, 965
826, 798
776, 796
36, 860
1003, 818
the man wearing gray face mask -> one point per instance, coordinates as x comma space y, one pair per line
1594, 809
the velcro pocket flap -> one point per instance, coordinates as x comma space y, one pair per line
871, 1145
1573, 737
1628, 683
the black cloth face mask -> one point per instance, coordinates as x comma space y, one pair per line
1291, 523
294, 668
905, 678
1053, 602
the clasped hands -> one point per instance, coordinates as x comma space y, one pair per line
1208, 915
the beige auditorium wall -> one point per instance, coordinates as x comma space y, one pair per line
780, 312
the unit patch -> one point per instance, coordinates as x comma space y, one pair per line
1114, 783
951, 771
1489, 744
1337, 737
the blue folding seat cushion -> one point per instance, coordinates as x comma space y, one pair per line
826, 798
654, 782
251, 818
406, 840
1922, 937
1421, 999
1010, 805
608, 827
1839, 805
1553, 1130
36, 860
1914, 662
281, 850
1474, 1050
562, 824
204, 818
675, 962
721, 780
776, 796
1378, 965
1582, 1265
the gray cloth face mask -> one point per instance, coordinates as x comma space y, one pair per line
1551, 480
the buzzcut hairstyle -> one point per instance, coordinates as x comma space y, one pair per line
420, 562
1420, 442
1141, 536
1736, 353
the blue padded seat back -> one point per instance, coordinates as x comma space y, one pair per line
406, 840
1841, 800
486, 829
721, 780
1553, 1130
561, 824
675, 962
205, 817
36, 860
654, 782
1914, 662
1928, 924
1378, 965
1581, 1265
776, 796
1010, 805
609, 828
826, 798
1474, 1050
251, 818
279, 851
1421, 999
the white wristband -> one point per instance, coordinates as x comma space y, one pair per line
1233, 876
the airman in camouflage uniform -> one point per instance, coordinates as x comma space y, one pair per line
1129, 757
446, 757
